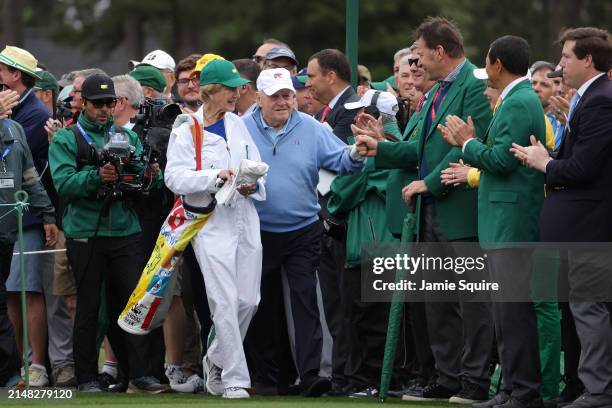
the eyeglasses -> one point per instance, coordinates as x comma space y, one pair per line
412, 61
109, 103
187, 81
258, 58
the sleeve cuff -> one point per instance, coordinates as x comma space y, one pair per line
465, 144
354, 154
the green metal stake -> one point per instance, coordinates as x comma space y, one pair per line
21, 199
352, 37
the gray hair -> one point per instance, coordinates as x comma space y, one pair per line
401, 53
129, 88
404, 60
86, 73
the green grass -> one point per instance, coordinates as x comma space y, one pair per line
192, 401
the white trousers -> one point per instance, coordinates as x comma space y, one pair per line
229, 252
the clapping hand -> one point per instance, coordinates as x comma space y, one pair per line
455, 174
8, 100
535, 156
366, 124
457, 132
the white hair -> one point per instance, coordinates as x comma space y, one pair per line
401, 53
129, 88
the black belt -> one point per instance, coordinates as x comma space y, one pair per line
200, 210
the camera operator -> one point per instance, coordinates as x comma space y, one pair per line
102, 232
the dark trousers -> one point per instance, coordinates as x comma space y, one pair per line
9, 356
332, 279
590, 282
116, 261
516, 327
297, 253
461, 332
569, 337
368, 334
200, 303
424, 362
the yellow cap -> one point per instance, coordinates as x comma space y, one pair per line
203, 61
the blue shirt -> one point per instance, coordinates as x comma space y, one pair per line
295, 156
218, 128
272, 134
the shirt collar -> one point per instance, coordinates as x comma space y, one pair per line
454, 74
511, 85
268, 127
25, 96
586, 85
334, 100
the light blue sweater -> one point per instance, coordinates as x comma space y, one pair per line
295, 159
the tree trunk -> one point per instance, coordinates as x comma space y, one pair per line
133, 37
12, 28
188, 40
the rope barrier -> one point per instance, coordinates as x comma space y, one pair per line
46, 251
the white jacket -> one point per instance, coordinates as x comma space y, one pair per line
197, 187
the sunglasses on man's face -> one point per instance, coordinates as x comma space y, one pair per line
258, 58
109, 103
412, 61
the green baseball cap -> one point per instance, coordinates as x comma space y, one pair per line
47, 81
149, 76
220, 71
382, 85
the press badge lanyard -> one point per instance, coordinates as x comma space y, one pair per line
86, 136
5, 154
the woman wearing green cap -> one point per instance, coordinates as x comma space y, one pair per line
228, 248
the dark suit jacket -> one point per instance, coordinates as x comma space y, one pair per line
578, 206
339, 118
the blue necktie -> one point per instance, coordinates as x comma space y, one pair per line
559, 136
573, 104
562, 130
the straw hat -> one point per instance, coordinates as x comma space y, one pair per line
20, 59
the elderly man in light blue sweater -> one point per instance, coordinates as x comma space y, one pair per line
296, 147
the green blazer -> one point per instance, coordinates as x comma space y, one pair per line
455, 206
510, 195
395, 205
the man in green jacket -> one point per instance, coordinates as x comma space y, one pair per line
102, 233
504, 218
445, 213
